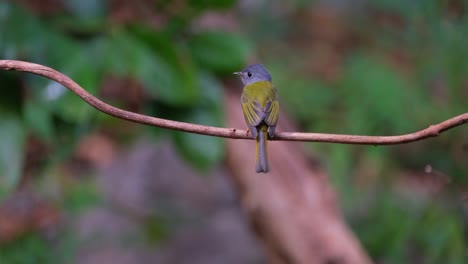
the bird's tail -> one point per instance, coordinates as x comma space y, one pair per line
261, 162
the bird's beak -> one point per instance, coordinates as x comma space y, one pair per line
237, 73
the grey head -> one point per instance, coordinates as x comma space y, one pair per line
254, 73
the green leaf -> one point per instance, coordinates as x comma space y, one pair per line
12, 143
174, 54
160, 43
211, 4
220, 52
19, 31
80, 196
38, 119
201, 151
212, 92
11, 98
128, 55
86, 9
378, 98
81, 69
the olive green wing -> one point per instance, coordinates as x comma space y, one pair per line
253, 113
271, 111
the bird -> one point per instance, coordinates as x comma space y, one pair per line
260, 107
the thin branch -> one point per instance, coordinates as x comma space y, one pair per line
431, 131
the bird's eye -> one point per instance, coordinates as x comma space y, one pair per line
249, 74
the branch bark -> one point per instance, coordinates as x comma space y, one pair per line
431, 131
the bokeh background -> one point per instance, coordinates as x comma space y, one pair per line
78, 186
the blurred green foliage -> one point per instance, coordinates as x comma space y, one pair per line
33, 250
176, 65
59, 244
405, 67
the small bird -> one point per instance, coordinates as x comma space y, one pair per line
261, 109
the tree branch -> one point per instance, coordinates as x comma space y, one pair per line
431, 131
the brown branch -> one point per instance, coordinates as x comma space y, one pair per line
431, 131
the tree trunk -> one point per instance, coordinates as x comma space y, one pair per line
292, 209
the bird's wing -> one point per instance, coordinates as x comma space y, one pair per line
271, 111
253, 113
